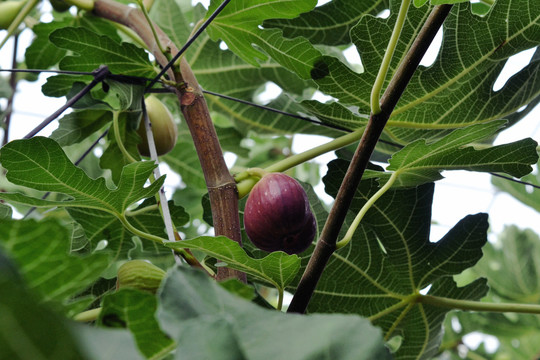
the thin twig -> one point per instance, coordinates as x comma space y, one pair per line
327, 242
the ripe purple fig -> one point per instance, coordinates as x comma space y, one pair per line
277, 216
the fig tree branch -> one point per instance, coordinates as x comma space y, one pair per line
327, 242
221, 185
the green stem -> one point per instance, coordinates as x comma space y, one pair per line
132, 35
383, 70
87, 316
140, 233
141, 211
246, 181
257, 172
350, 232
469, 305
118, 138
156, 38
280, 299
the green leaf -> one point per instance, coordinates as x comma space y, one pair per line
192, 306
237, 287
238, 23
99, 225
61, 85
511, 266
330, 23
172, 20
222, 72
40, 163
93, 50
30, 329
135, 311
5, 212
41, 252
277, 268
391, 259
99, 343
457, 90
42, 54
78, 125
419, 163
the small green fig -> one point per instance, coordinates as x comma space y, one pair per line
163, 127
8, 11
139, 274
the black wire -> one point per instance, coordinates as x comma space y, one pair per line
189, 42
121, 78
99, 75
102, 73
515, 180
245, 102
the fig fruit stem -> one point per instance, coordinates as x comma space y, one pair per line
219, 182
350, 232
246, 181
118, 138
327, 242
388, 54
257, 172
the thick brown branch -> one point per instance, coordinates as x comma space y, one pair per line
327, 241
221, 185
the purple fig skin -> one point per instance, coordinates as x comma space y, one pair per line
277, 216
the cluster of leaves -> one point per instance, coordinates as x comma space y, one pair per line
63, 262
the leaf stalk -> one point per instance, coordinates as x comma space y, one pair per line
389, 53
246, 182
350, 232
469, 305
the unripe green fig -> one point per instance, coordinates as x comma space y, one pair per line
139, 274
163, 127
8, 11
277, 215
